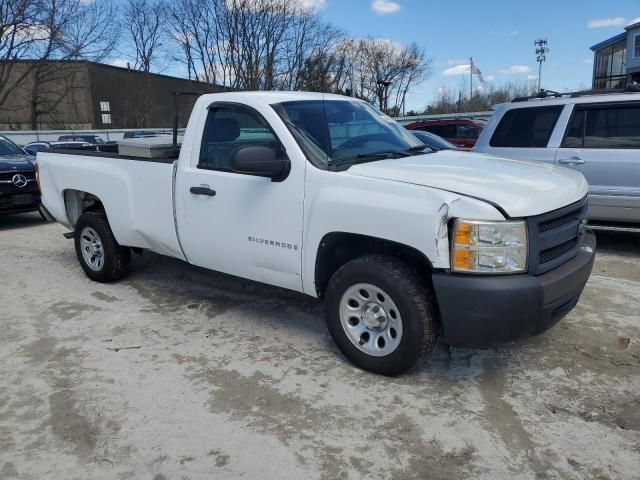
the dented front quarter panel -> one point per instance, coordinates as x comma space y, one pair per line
458, 207
412, 215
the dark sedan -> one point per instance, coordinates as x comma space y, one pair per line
18, 188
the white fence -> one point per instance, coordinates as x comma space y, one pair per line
22, 137
442, 116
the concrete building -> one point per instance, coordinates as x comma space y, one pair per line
87, 95
616, 61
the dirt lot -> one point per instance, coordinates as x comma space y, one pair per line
238, 380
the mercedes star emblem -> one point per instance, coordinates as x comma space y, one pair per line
19, 180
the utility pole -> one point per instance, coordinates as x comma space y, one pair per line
383, 87
541, 52
471, 78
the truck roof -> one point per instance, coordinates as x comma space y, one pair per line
271, 97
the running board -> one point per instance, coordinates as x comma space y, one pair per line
68, 235
614, 228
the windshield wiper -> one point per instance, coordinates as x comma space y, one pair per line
370, 157
416, 149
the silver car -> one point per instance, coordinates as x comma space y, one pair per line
594, 133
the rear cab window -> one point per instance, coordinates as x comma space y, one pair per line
529, 127
604, 126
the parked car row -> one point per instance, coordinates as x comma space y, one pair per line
461, 132
34, 147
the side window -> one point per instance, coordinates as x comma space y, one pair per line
573, 138
612, 127
437, 129
229, 128
466, 132
529, 127
448, 131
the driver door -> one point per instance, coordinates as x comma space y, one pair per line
237, 223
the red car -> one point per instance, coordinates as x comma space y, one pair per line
462, 132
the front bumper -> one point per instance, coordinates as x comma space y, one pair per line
482, 311
19, 202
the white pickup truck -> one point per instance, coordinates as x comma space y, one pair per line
325, 195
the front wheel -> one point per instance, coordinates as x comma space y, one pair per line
99, 254
380, 314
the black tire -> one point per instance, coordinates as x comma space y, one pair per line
413, 299
117, 259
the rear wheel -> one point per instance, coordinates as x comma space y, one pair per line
380, 314
99, 254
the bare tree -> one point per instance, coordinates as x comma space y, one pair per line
196, 30
280, 44
144, 24
248, 44
386, 70
20, 34
451, 100
35, 35
255, 32
76, 31
310, 57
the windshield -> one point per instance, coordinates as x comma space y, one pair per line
9, 148
433, 140
342, 132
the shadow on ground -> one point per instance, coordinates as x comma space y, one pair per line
621, 243
22, 220
170, 284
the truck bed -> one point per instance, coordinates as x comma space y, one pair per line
136, 193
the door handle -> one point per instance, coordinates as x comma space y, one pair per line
203, 191
575, 160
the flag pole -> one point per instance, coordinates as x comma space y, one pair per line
471, 77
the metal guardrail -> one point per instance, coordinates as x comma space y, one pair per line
442, 116
22, 137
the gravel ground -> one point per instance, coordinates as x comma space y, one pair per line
231, 379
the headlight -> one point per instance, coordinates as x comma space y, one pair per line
489, 247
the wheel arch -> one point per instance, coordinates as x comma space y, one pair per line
77, 202
337, 248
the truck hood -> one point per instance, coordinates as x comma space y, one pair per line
18, 163
521, 189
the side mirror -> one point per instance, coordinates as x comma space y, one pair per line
260, 161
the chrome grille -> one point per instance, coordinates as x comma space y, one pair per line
7, 176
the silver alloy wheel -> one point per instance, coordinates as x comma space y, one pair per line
371, 319
92, 250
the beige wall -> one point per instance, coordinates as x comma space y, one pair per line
63, 99
70, 95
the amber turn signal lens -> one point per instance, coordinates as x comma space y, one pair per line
462, 259
463, 234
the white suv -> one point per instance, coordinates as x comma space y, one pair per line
597, 134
